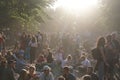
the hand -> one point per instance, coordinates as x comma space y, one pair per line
36, 76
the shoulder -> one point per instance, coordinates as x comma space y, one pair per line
94, 75
71, 76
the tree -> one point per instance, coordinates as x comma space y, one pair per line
19, 13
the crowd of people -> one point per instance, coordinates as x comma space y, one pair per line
59, 57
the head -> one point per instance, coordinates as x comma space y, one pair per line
66, 70
69, 57
108, 38
41, 56
61, 78
46, 70
39, 32
21, 56
86, 77
114, 35
82, 58
101, 41
32, 69
29, 36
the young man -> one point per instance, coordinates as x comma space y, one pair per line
46, 74
92, 74
11, 67
67, 74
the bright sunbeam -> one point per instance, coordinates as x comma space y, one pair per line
76, 5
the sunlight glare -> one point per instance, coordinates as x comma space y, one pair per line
76, 5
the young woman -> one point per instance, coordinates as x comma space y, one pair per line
101, 62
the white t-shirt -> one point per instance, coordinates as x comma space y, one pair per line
67, 63
59, 57
86, 63
33, 44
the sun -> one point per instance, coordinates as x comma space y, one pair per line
76, 5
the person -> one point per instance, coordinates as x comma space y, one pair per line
33, 46
23, 74
23, 41
32, 73
85, 63
9, 56
40, 62
41, 59
116, 48
110, 57
46, 74
50, 58
11, 70
101, 62
59, 56
92, 74
68, 61
27, 50
20, 62
39, 37
67, 74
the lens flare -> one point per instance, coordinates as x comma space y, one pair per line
76, 5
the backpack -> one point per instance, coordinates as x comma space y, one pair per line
96, 54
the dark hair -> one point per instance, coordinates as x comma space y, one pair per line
34, 39
109, 38
101, 41
61, 78
66, 68
86, 77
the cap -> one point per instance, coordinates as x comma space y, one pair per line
46, 67
66, 68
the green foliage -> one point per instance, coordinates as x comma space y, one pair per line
22, 12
